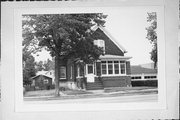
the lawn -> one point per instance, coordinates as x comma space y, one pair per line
51, 93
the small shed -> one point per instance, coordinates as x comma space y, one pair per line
42, 82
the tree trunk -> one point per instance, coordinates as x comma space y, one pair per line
57, 74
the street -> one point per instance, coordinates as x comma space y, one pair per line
118, 99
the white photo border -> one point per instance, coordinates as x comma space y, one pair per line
21, 106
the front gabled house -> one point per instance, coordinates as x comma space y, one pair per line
111, 70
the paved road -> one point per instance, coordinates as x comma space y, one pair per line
119, 99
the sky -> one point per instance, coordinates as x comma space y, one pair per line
127, 26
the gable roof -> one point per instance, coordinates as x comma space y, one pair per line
110, 37
137, 69
41, 75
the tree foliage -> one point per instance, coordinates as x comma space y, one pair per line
48, 65
28, 67
58, 32
64, 35
152, 36
44, 65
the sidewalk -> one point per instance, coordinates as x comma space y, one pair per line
96, 94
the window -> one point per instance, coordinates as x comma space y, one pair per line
81, 71
90, 69
100, 43
110, 67
103, 67
113, 67
45, 81
123, 67
149, 77
136, 77
62, 72
71, 72
116, 67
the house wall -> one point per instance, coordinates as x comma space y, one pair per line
116, 81
108, 81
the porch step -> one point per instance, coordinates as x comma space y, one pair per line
95, 85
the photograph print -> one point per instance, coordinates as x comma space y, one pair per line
98, 57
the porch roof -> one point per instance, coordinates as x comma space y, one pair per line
114, 57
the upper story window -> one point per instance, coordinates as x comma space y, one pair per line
100, 43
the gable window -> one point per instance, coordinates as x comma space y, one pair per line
62, 72
100, 43
113, 67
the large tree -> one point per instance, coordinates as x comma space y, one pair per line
64, 35
152, 36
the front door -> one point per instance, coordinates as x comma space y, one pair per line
90, 72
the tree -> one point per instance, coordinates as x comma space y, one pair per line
64, 35
152, 36
39, 66
48, 65
28, 67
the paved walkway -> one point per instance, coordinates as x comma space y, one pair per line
94, 94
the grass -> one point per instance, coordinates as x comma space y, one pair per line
39, 93
51, 93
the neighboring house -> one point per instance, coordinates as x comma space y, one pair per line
111, 70
43, 80
143, 75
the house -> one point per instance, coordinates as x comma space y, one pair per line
144, 75
111, 70
42, 81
